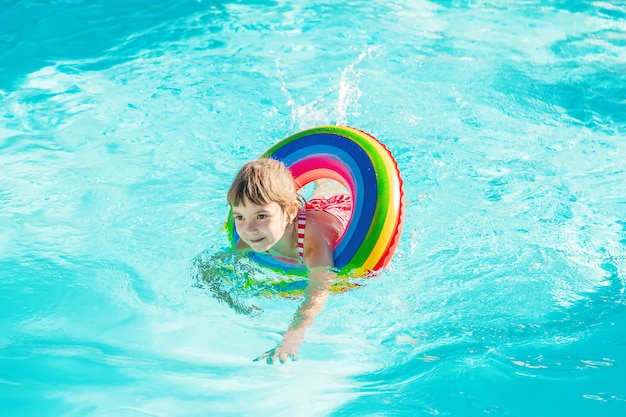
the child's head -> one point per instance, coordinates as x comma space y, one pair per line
263, 181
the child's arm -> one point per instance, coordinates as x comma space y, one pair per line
318, 258
315, 296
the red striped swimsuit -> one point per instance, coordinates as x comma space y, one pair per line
339, 206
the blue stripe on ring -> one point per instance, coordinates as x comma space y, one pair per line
363, 173
362, 212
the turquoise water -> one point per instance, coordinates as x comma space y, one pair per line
122, 124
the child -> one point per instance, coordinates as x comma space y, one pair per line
270, 216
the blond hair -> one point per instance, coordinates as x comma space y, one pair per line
264, 181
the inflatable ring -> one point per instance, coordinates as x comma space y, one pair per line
366, 168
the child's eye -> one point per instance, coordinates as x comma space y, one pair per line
238, 218
262, 216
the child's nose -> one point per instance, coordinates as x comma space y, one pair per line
251, 225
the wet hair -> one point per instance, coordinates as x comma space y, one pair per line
264, 181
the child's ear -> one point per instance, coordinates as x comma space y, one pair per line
292, 210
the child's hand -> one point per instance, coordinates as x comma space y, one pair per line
280, 352
288, 348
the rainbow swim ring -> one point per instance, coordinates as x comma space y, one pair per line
366, 168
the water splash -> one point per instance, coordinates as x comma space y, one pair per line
335, 105
349, 92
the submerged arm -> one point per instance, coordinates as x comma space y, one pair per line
213, 272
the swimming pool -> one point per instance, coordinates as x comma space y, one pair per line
122, 124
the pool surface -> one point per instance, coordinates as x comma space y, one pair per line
122, 124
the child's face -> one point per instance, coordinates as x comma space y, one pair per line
261, 227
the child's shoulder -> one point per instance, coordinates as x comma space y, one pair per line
322, 225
